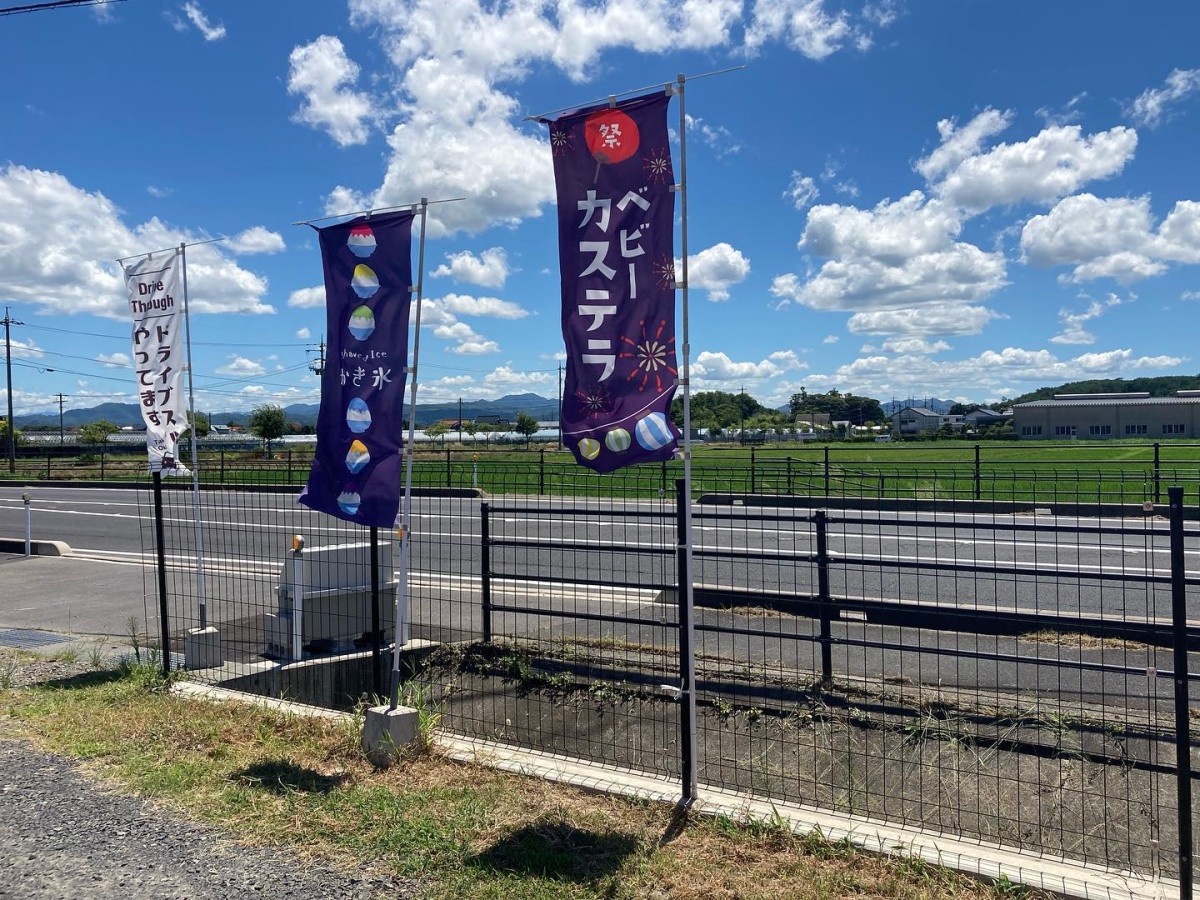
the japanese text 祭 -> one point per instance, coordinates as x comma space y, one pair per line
155, 303
368, 274
616, 211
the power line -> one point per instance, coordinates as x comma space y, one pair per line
52, 4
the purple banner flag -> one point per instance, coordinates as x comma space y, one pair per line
616, 212
368, 273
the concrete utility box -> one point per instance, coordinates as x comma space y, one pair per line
325, 599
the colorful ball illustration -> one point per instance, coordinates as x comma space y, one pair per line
611, 136
653, 432
358, 415
349, 502
358, 457
618, 440
364, 282
362, 322
361, 241
589, 448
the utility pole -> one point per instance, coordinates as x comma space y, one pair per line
8, 322
318, 364
62, 398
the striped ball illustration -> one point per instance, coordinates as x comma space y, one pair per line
653, 432
618, 440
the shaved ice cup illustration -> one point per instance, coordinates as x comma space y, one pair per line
364, 281
361, 241
358, 415
358, 457
618, 440
653, 432
589, 448
362, 323
349, 502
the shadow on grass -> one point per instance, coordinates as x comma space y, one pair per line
281, 776
96, 678
558, 851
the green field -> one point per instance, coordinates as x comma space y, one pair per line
1043, 472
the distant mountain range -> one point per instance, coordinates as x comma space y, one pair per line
941, 407
123, 414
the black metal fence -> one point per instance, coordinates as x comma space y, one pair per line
1011, 672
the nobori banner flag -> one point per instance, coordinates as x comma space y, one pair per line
368, 275
616, 212
156, 305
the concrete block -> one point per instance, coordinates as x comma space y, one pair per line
386, 732
202, 649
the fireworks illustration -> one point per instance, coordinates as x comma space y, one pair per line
664, 272
653, 357
595, 401
657, 166
560, 141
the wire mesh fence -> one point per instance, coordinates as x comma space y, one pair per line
1001, 668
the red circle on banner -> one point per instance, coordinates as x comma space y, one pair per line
611, 136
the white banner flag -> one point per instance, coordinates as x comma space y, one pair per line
155, 303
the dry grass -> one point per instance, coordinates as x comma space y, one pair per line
469, 831
1079, 641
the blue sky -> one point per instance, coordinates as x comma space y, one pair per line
945, 197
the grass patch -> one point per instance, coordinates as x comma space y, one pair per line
467, 831
1074, 640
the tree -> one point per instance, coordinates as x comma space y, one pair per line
526, 425
202, 429
96, 432
437, 429
839, 407
269, 423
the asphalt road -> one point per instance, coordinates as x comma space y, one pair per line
550, 556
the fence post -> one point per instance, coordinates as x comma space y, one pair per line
485, 568
1183, 740
789, 476
752, 479
289, 466
687, 665
222, 478
977, 491
297, 597
376, 626
820, 519
826, 471
47, 466
541, 471
102, 462
449, 482
1157, 474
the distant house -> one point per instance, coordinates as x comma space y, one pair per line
985, 418
915, 419
492, 420
1107, 416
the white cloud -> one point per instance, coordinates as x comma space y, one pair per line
1072, 323
52, 232
715, 269
158, 191
717, 137
802, 191
441, 316
257, 240
28, 349
464, 305
303, 334
1190, 295
196, 16
914, 346
488, 269
959, 144
1112, 238
1067, 114
308, 298
805, 25
111, 360
239, 366
937, 318
1052, 164
899, 255
324, 77
508, 378
1149, 107
830, 339
714, 366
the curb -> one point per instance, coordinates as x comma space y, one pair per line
36, 548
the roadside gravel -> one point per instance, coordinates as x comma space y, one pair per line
63, 836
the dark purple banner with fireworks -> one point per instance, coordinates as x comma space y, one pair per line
616, 211
368, 272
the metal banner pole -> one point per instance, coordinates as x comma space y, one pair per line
187, 332
406, 508
688, 610
161, 555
